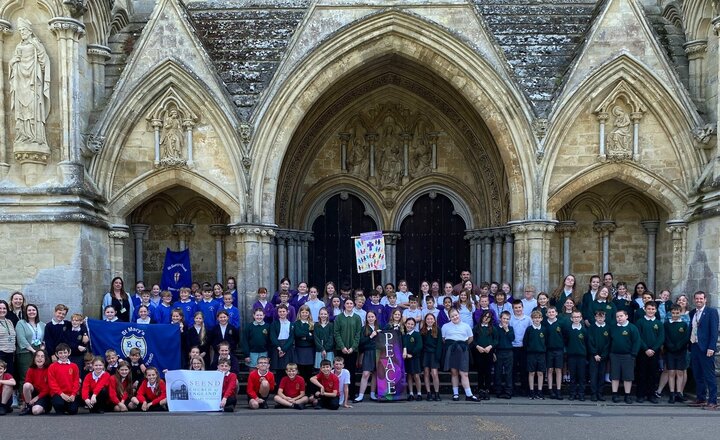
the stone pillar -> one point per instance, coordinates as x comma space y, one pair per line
602, 118
509, 245
292, 255
183, 232
566, 228
188, 125
5, 29
252, 242
532, 253
498, 235
487, 256
281, 243
651, 228
305, 255
118, 234
219, 232
389, 275
344, 138
695, 51
98, 56
140, 233
605, 228
370, 138
635, 117
406, 137
433, 138
474, 237
678, 232
68, 32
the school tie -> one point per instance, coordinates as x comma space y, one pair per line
693, 331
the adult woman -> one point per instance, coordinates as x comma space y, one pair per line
8, 338
17, 307
119, 299
30, 334
284, 287
640, 288
457, 336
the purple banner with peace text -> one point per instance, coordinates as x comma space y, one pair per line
390, 367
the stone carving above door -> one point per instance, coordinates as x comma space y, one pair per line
172, 120
389, 145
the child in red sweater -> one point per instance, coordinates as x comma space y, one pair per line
260, 383
7, 382
152, 395
36, 391
64, 382
96, 387
229, 388
329, 386
121, 388
291, 393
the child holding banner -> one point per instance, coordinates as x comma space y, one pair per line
229, 387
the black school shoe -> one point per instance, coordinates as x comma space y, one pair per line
471, 399
616, 398
628, 399
456, 398
418, 397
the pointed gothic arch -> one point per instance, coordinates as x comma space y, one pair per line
169, 81
493, 97
626, 75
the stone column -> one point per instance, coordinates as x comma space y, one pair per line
68, 32
370, 138
188, 125
118, 234
406, 137
487, 256
5, 29
389, 275
98, 56
140, 233
678, 232
695, 51
183, 232
473, 236
292, 252
252, 242
635, 117
532, 253
307, 237
219, 232
344, 138
602, 118
651, 228
605, 228
566, 228
281, 243
433, 138
509, 245
498, 236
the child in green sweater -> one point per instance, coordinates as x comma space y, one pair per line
624, 346
677, 337
534, 342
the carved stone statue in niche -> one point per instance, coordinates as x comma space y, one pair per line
621, 135
358, 161
30, 90
171, 141
391, 165
422, 159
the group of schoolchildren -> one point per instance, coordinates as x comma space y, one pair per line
313, 349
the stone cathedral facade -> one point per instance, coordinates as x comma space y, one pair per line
524, 140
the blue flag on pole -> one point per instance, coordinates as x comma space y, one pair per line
176, 272
159, 344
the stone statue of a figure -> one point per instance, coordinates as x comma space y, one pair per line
29, 87
172, 137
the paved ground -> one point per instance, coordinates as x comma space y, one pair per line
497, 420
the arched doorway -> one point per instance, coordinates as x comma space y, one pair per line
432, 245
332, 254
179, 218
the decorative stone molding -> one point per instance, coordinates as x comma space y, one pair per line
93, 145
120, 235
566, 227
98, 52
695, 49
252, 230
76, 8
703, 136
65, 27
219, 231
604, 226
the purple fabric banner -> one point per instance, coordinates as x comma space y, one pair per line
390, 367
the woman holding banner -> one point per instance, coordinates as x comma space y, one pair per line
457, 336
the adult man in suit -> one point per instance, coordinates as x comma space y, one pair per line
703, 340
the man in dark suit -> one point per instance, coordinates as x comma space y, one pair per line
703, 340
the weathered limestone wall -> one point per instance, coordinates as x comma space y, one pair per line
55, 263
703, 258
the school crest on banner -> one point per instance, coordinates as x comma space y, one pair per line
370, 252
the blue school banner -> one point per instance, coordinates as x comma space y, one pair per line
176, 271
159, 344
